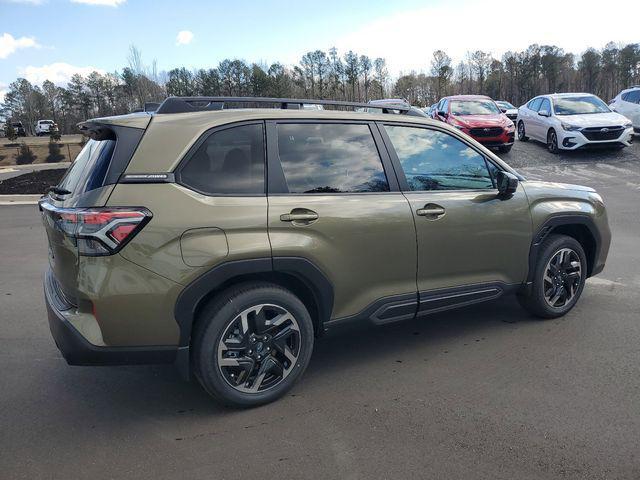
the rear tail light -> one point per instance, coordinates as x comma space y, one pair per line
97, 231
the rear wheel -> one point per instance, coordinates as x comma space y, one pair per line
521, 132
552, 141
559, 276
252, 344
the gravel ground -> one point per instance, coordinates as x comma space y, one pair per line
484, 392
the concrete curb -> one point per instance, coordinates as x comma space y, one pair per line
19, 199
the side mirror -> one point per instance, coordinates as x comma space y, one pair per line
442, 113
544, 113
503, 110
507, 183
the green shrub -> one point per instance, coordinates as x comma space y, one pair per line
25, 156
54, 153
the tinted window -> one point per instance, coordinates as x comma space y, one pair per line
330, 158
88, 170
229, 161
535, 104
632, 97
433, 160
545, 105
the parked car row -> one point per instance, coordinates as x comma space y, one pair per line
41, 128
562, 121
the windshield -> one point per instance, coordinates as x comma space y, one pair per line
46, 122
506, 105
579, 105
473, 107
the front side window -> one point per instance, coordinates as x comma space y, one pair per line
632, 97
330, 158
434, 160
228, 162
545, 105
579, 105
535, 104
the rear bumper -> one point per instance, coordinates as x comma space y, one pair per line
77, 350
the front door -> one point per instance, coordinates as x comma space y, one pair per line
334, 200
472, 244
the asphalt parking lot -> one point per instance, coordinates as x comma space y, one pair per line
486, 392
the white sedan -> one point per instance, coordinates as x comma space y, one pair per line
627, 103
568, 121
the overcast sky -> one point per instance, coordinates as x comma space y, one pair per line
53, 39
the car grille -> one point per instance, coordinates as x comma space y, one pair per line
486, 132
602, 133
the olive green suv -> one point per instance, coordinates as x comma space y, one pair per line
226, 239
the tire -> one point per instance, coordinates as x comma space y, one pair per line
521, 132
220, 337
537, 300
505, 148
552, 142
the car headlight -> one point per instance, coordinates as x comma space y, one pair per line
510, 128
569, 128
628, 125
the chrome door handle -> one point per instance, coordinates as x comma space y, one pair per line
431, 210
307, 216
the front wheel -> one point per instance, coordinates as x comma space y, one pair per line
559, 276
552, 142
252, 344
521, 132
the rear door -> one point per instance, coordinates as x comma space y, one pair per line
470, 241
334, 200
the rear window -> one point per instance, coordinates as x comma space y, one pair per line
89, 169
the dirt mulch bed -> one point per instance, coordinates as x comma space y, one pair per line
31, 183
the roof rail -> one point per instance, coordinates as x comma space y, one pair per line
196, 104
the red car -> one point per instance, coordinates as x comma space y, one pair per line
479, 117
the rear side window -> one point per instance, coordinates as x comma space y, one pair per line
89, 169
330, 158
228, 162
434, 160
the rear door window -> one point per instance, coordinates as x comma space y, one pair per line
330, 158
228, 162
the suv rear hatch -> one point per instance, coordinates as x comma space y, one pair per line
75, 219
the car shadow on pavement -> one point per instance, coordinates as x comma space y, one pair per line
158, 391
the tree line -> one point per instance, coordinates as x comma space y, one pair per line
516, 77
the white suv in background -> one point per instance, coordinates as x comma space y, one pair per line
45, 127
568, 121
627, 102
